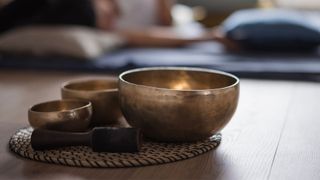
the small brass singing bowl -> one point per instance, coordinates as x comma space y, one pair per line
102, 93
61, 115
178, 104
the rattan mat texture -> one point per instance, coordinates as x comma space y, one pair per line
152, 153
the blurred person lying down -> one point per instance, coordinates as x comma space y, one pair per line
140, 22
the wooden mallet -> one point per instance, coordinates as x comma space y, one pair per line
100, 139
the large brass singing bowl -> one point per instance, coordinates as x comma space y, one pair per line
102, 93
61, 115
178, 104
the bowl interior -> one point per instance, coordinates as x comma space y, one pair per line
180, 79
92, 85
63, 105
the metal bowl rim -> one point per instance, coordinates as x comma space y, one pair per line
237, 81
88, 105
63, 86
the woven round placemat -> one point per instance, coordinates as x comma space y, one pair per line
151, 153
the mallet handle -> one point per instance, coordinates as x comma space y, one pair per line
46, 139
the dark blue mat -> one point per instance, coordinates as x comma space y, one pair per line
293, 65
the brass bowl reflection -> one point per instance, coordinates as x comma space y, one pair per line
62, 115
102, 93
178, 104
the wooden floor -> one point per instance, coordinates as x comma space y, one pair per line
275, 134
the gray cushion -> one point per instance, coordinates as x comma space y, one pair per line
276, 29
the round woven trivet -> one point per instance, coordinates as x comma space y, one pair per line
151, 153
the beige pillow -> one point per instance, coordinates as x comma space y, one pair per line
73, 41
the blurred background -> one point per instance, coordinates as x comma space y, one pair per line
276, 39
213, 12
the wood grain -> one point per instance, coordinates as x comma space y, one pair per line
298, 154
274, 134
